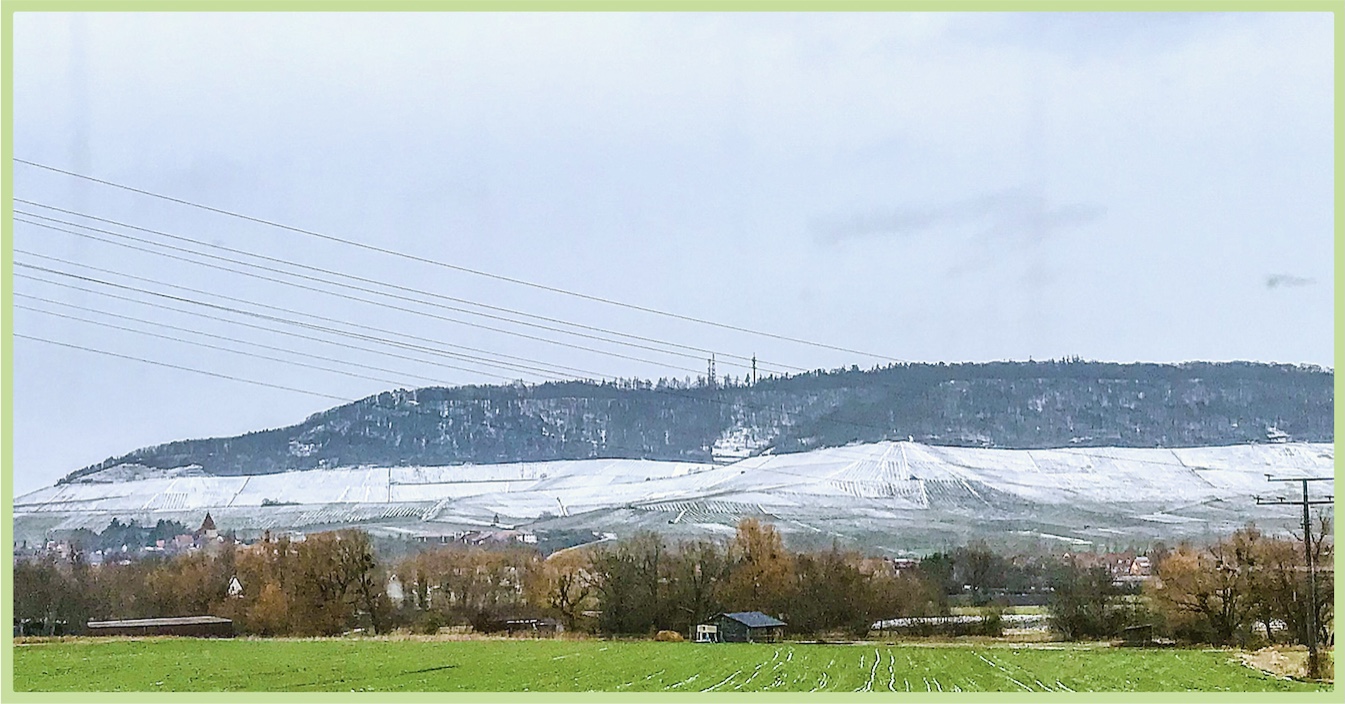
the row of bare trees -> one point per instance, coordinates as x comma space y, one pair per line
1247, 588
323, 585
320, 586
69, 594
643, 584
333, 582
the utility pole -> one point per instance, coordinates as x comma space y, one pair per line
754, 370
1314, 666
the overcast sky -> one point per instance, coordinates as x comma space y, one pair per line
923, 187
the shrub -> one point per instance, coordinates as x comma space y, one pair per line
430, 622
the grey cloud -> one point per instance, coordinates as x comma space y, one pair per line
1287, 281
1003, 213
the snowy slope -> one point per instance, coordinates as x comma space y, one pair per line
840, 491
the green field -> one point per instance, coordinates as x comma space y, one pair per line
172, 664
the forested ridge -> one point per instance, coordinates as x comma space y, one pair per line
1022, 405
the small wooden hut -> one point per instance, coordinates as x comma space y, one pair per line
748, 627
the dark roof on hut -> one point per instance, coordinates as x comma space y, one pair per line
754, 619
176, 621
543, 621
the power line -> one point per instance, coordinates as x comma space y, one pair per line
456, 267
842, 451
1090, 455
240, 352
666, 392
251, 314
663, 392
544, 366
364, 300
884, 430
354, 277
342, 344
1314, 664
350, 286
267, 317
185, 369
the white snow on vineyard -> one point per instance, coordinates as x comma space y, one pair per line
837, 491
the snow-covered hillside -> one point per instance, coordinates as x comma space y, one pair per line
875, 493
1003, 405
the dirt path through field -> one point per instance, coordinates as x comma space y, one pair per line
1281, 662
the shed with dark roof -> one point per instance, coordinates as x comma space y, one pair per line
198, 626
748, 627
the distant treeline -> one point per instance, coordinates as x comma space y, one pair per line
130, 535
1003, 404
1246, 589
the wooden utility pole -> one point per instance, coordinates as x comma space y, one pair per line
1314, 665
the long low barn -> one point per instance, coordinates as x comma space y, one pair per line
198, 626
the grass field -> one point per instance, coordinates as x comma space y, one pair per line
172, 664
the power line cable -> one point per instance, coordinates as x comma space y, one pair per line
365, 300
840, 451
703, 351
666, 392
703, 399
822, 419
357, 288
341, 344
240, 352
185, 369
456, 267
248, 313
543, 367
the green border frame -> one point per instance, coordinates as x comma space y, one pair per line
7, 11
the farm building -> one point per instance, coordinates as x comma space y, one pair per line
198, 626
1139, 635
534, 626
745, 627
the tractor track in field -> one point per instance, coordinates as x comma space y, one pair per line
723, 682
873, 672
1003, 669
688, 680
757, 671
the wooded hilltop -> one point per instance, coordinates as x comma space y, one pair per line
1014, 405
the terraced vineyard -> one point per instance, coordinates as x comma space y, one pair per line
170, 664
